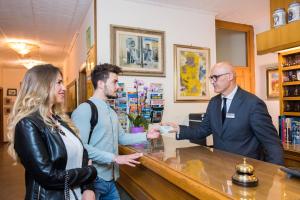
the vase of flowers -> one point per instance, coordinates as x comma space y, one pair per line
137, 120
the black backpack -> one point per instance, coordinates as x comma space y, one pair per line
94, 118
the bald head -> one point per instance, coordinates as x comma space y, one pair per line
223, 78
222, 68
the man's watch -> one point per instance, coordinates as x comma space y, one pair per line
177, 136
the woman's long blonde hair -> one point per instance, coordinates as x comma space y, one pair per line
37, 93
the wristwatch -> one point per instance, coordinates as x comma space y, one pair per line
177, 136
177, 133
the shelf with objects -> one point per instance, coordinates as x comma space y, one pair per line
289, 73
289, 119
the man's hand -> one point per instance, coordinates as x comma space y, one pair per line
128, 159
175, 126
88, 195
153, 133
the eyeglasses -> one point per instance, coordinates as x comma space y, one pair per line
215, 77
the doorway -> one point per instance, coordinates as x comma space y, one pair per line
82, 94
1, 115
235, 43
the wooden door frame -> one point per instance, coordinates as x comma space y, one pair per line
82, 86
1, 116
248, 29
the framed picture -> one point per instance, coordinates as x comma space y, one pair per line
138, 52
7, 110
7, 101
71, 102
11, 92
191, 73
88, 38
272, 83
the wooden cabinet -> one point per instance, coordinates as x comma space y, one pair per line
289, 73
283, 37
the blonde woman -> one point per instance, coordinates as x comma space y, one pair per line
45, 141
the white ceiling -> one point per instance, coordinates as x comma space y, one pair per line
53, 23
240, 11
50, 23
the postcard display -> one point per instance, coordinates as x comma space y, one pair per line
149, 103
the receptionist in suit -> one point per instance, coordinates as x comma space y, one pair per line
239, 121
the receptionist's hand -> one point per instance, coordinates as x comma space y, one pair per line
175, 126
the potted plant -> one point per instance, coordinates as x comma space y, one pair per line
138, 122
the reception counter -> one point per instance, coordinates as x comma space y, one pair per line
173, 169
292, 155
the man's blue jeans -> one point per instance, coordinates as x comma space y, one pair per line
106, 190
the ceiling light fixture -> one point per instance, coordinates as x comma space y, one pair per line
29, 63
21, 47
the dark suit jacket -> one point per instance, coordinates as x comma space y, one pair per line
250, 133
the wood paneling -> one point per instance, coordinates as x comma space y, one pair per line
142, 183
1, 115
292, 155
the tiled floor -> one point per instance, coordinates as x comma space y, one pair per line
12, 186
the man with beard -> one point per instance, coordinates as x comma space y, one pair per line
102, 146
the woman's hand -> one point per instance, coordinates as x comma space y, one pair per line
88, 195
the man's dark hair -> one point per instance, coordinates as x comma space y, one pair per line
101, 72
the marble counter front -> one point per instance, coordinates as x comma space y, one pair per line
173, 169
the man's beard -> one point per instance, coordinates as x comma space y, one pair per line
109, 96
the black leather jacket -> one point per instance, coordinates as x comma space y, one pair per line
44, 157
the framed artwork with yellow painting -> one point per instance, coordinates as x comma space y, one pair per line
191, 73
272, 83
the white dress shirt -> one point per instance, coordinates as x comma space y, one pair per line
229, 98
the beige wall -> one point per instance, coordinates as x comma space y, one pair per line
262, 62
78, 54
166, 19
10, 77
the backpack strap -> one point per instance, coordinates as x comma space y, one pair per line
94, 118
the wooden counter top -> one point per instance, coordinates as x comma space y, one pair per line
205, 173
291, 155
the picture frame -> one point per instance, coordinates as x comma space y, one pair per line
7, 101
191, 73
139, 52
11, 92
272, 83
71, 97
7, 110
